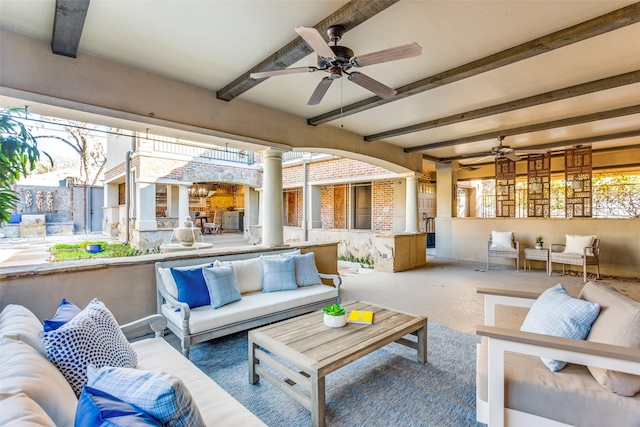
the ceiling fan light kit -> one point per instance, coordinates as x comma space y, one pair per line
338, 60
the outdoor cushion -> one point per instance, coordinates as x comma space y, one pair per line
251, 306
97, 408
617, 324
306, 271
502, 239
222, 285
15, 218
160, 395
575, 244
66, 311
91, 337
558, 314
24, 370
19, 323
169, 281
192, 289
278, 274
248, 274
21, 411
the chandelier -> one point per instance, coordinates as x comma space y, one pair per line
198, 190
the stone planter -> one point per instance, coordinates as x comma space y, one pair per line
335, 321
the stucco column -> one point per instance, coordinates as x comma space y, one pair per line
447, 178
272, 223
183, 203
411, 202
146, 206
173, 201
314, 214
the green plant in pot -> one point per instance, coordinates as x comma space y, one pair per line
539, 242
335, 316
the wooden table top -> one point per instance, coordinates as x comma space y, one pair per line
307, 343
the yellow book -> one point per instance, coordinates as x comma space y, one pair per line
361, 317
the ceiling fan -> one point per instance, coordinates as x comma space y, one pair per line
339, 60
501, 151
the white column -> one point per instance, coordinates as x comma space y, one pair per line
183, 203
272, 223
411, 202
146, 207
173, 201
314, 214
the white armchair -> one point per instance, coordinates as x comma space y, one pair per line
576, 251
503, 245
514, 388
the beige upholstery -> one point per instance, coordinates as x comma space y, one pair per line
583, 259
503, 252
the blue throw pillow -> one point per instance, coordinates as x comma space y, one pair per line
192, 288
306, 270
96, 408
278, 274
160, 395
557, 313
15, 218
66, 311
222, 285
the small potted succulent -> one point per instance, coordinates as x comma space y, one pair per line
335, 316
539, 242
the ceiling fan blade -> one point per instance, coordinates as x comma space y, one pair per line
316, 41
527, 152
512, 156
296, 70
373, 85
485, 156
319, 92
392, 54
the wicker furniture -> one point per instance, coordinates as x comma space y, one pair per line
590, 256
536, 255
316, 350
504, 252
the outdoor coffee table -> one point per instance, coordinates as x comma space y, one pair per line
317, 350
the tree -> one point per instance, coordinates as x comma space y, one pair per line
616, 196
79, 136
19, 155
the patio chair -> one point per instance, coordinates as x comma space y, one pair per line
577, 250
503, 244
215, 226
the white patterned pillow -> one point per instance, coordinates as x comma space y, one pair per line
93, 337
305, 268
160, 395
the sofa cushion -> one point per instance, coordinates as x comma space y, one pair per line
617, 324
19, 323
97, 409
66, 311
161, 395
192, 289
305, 269
92, 337
575, 244
572, 396
169, 281
502, 239
222, 285
24, 370
248, 274
251, 306
19, 410
278, 275
557, 313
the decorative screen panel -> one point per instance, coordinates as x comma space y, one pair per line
578, 194
539, 185
505, 188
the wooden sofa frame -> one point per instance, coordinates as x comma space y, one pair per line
501, 340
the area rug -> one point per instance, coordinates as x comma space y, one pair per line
385, 388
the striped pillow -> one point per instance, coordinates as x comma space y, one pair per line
278, 275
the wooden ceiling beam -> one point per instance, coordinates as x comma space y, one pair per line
531, 101
350, 16
68, 23
551, 145
602, 24
601, 115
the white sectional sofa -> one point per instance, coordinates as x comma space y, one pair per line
33, 392
255, 308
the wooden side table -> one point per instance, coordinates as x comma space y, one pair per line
536, 255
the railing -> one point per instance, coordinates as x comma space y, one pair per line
291, 155
214, 153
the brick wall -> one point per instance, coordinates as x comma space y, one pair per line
382, 193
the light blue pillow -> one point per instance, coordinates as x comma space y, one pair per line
160, 395
222, 285
93, 337
305, 268
557, 313
96, 409
192, 288
278, 275
66, 311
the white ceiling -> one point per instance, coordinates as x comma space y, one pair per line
211, 43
